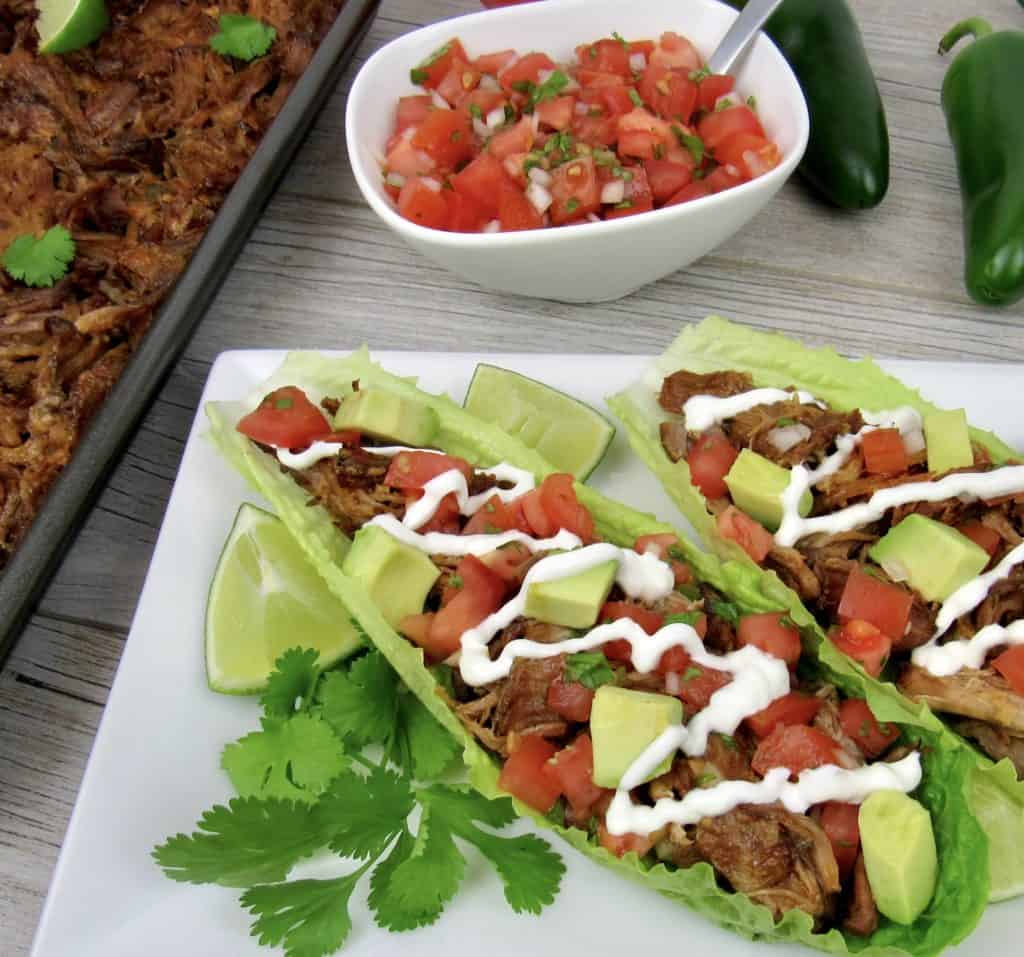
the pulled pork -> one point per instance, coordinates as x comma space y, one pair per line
752, 429
132, 144
680, 386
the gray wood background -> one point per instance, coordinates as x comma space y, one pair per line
320, 270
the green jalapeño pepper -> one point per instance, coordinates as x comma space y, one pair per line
847, 158
981, 97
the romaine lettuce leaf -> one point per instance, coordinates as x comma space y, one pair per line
960, 896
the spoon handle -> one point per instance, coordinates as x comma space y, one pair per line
743, 30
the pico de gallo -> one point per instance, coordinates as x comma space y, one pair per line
507, 141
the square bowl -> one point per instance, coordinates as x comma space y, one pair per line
591, 261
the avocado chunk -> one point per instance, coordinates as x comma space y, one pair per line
572, 602
397, 576
947, 440
756, 485
386, 415
622, 724
934, 559
899, 854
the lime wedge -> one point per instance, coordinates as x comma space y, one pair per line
1002, 819
264, 599
66, 25
571, 435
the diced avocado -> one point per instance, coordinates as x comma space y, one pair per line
397, 576
622, 724
899, 854
756, 485
386, 415
934, 559
572, 602
947, 440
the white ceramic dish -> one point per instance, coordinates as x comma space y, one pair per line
155, 763
589, 262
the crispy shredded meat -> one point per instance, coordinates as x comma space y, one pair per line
751, 429
683, 385
132, 144
862, 913
997, 743
980, 694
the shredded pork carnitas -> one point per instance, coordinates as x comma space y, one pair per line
132, 144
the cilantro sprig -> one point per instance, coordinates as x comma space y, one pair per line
305, 784
40, 261
242, 36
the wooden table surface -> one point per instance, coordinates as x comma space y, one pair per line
321, 271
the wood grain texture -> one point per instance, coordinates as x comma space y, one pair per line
320, 270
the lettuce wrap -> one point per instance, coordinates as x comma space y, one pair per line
962, 888
773, 360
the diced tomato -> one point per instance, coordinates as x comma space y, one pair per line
557, 113
768, 632
982, 536
675, 52
751, 154
862, 727
445, 518
595, 131
559, 501
666, 178
722, 178
674, 660
641, 135
794, 746
432, 70
481, 180
464, 214
883, 604
740, 528
481, 594
715, 127
515, 211
508, 562
670, 93
285, 419
349, 437
620, 845
695, 190
863, 642
483, 100
414, 469
515, 167
710, 459
1010, 664
495, 516
615, 100
572, 771
884, 451
526, 69
417, 628
412, 110
605, 56
649, 620
405, 159
657, 544
494, 63
541, 524
711, 88
460, 80
570, 699
422, 204
517, 138
575, 191
523, 775
840, 822
697, 684
638, 196
793, 708
446, 137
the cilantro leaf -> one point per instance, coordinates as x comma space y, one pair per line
691, 142
726, 610
42, 261
419, 744
366, 814
248, 842
420, 885
380, 884
291, 683
310, 918
590, 669
469, 805
686, 618
242, 37
294, 758
550, 88
360, 704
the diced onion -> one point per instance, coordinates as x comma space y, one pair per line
439, 101
593, 218
480, 128
432, 184
543, 76
785, 437
581, 108
408, 133
395, 179
637, 62
724, 101
488, 82
613, 191
535, 121
673, 683
913, 442
570, 86
539, 197
492, 227
495, 118
540, 176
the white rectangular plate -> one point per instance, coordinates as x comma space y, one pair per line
155, 764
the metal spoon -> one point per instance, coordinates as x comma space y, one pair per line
740, 34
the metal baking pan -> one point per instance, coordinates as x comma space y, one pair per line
113, 425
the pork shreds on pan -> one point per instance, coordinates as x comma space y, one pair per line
132, 144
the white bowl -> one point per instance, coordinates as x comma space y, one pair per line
590, 262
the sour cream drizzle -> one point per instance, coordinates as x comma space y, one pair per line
971, 594
703, 412
439, 543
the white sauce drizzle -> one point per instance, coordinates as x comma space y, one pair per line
953, 656
440, 543
971, 594
702, 412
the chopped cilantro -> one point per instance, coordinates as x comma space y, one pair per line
635, 97
455, 136
605, 158
523, 86
620, 39
572, 205
726, 610
454, 581
702, 74
510, 113
729, 741
692, 142
593, 53
659, 151
242, 37
418, 76
489, 506
692, 672
550, 88
475, 111
723, 104
707, 780
283, 402
42, 261
752, 102
686, 618
590, 669
784, 421
625, 204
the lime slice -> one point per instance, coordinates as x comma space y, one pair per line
1002, 819
571, 435
264, 599
66, 25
